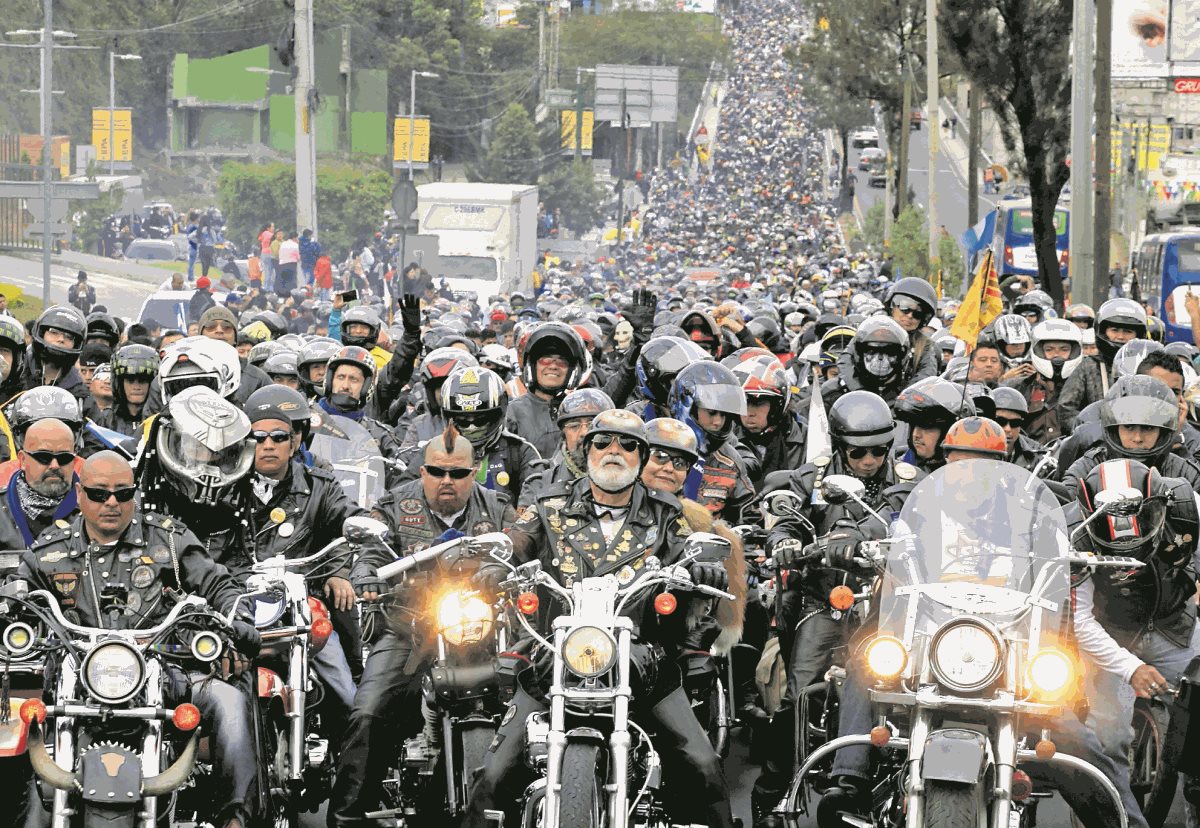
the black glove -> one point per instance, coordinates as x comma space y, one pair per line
640, 314
790, 552
709, 574
841, 546
370, 584
246, 639
487, 579
410, 312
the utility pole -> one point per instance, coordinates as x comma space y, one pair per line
931, 95
906, 106
1082, 260
306, 139
579, 71
412, 116
113, 57
541, 65
1103, 177
974, 128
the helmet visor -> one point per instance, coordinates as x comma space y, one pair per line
1143, 411
1129, 532
219, 466
724, 398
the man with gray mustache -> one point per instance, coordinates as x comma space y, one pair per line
43, 490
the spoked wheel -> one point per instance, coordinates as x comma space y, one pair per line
581, 803
1153, 787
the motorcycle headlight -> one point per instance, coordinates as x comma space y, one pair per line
1051, 672
113, 672
589, 651
18, 639
886, 657
463, 618
966, 656
207, 646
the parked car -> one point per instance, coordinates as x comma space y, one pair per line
864, 137
878, 173
169, 308
152, 250
868, 156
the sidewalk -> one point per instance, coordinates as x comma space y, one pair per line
116, 268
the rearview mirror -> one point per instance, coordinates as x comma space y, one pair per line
782, 503
361, 529
706, 548
1124, 502
841, 488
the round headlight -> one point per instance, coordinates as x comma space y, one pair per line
18, 639
113, 672
589, 651
207, 646
886, 657
1051, 672
268, 609
965, 656
463, 618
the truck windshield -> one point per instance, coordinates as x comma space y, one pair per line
475, 268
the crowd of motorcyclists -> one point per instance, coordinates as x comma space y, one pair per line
598, 423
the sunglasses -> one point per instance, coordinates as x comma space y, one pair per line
907, 306
277, 436
677, 462
99, 495
1010, 422
453, 474
547, 361
603, 441
859, 452
45, 458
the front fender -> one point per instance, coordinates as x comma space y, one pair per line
954, 755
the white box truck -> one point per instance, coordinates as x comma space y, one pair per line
487, 235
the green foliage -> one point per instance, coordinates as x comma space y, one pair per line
571, 187
350, 201
20, 304
94, 212
513, 157
910, 250
873, 226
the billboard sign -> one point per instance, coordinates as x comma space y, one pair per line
637, 96
121, 133
1183, 42
400, 143
1139, 39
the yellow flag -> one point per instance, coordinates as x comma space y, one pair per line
981, 305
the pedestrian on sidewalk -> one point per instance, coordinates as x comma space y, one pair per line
953, 126
310, 249
81, 294
266, 257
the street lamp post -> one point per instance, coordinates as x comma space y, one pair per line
113, 57
412, 116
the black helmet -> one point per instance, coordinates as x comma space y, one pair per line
669, 434
561, 339
41, 403
1122, 313
437, 365
474, 399
12, 339
314, 353
1155, 329
860, 418
132, 361
1010, 399
933, 403
282, 365
660, 361
275, 323
69, 321
827, 322
104, 327
584, 402
706, 385
359, 358
1034, 303
1143, 401
280, 402
917, 290
361, 315
766, 330
879, 349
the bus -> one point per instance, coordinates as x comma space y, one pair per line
1012, 245
1168, 266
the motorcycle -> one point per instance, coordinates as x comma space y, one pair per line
111, 762
466, 690
973, 651
589, 778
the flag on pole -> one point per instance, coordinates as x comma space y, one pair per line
981, 305
818, 442
976, 238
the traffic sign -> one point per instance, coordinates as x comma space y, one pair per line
58, 228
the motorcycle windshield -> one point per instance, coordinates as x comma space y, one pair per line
977, 537
354, 456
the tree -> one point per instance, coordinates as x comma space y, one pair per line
571, 187
910, 247
513, 157
1016, 52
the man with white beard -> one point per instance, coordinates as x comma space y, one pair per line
609, 522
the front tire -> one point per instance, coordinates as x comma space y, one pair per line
1152, 785
949, 805
580, 804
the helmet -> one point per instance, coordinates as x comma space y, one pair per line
1056, 330
103, 326
1011, 329
260, 352
62, 318
563, 340
1155, 329
275, 323
978, 436
834, 342
132, 361
622, 423
361, 359
706, 385
860, 418
763, 379
933, 403
917, 290
282, 365
660, 361
669, 434
1130, 355
766, 330
1125, 533
879, 348
317, 352
794, 318
585, 402
1080, 312
1009, 399
1139, 400
43, 402
827, 322
361, 315
198, 360
203, 444
289, 403
1034, 303
497, 358
437, 366
475, 400
12, 339
701, 328
293, 342
254, 333
1124, 313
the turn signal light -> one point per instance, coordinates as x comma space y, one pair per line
317, 607
1045, 749
880, 736
33, 709
1022, 786
665, 603
321, 629
186, 717
841, 597
527, 603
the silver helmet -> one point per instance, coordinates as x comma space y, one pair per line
204, 444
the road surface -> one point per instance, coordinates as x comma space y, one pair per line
122, 296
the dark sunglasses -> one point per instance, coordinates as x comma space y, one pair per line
99, 495
859, 452
1010, 422
45, 458
603, 441
678, 462
909, 306
453, 474
277, 436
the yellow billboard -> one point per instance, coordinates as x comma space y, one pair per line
567, 121
121, 134
400, 141
1149, 143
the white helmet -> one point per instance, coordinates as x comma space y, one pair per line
1012, 329
203, 444
1056, 330
198, 360
494, 355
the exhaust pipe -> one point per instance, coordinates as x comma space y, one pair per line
173, 777
44, 766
